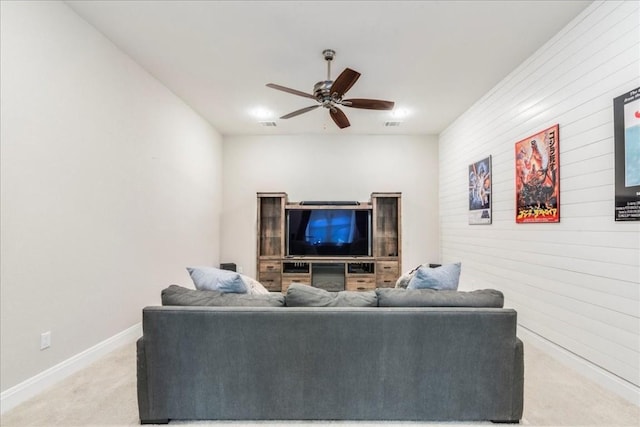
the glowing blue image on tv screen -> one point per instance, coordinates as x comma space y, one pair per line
330, 226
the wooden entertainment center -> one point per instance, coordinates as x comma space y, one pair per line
378, 264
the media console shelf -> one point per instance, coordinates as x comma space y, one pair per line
332, 245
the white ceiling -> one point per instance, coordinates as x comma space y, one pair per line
433, 58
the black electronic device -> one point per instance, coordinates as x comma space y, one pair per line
329, 203
231, 266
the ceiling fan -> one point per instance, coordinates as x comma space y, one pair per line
329, 93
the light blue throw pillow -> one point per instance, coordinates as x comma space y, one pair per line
445, 277
214, 279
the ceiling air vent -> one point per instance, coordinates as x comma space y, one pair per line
272, 124
388, 124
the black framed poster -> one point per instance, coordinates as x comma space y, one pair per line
480, 192
626, 123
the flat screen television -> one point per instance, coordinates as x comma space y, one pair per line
328, 232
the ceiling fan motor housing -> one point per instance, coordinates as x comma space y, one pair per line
322, 92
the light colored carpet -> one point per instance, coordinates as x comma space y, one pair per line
104, 394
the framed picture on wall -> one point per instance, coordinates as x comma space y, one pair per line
538, 177
626, 123
480, 192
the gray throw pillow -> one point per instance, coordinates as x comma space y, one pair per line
178, 295
390, 297
215, 279
445, 277
299, 295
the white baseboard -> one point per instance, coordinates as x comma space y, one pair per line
27, 389
593, 372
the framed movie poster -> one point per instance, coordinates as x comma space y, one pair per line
626, 123
538, 177
480, 192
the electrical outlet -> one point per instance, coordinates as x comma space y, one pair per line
240, 269
45, 340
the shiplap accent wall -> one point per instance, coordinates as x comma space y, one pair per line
575, 284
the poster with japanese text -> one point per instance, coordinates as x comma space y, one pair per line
626, 123
538, 177
480, 192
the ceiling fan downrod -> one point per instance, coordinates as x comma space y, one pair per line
328, 56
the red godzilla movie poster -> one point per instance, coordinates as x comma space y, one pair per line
538, 177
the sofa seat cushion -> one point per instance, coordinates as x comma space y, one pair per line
178, 295
299, 295
393, 297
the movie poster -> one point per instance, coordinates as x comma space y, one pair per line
480, 192
626, 123
538, 177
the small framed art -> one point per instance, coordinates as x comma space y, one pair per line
480, 192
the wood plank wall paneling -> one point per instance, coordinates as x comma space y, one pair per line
575, 283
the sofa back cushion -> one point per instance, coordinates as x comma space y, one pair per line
299, 295
393, 297
177, 295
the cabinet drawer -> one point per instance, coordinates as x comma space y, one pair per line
288, 279
386, 281
387, 273
269, 266
271, 281
361, 283
390, 268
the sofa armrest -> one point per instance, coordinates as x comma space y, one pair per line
518, 380
143, 389
517, 387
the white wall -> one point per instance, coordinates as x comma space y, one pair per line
330, 167
110, 186
576, 283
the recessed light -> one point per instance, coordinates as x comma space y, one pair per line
399, 113
262, 114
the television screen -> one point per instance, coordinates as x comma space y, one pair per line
328, 232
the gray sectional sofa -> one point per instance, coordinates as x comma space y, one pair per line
414, 356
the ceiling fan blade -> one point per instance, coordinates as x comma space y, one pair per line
339, 117
289, 90
343, 83
300, 111
369, 104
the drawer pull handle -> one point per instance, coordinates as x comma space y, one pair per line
386, 268
269, 267
360, 280
361, 288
